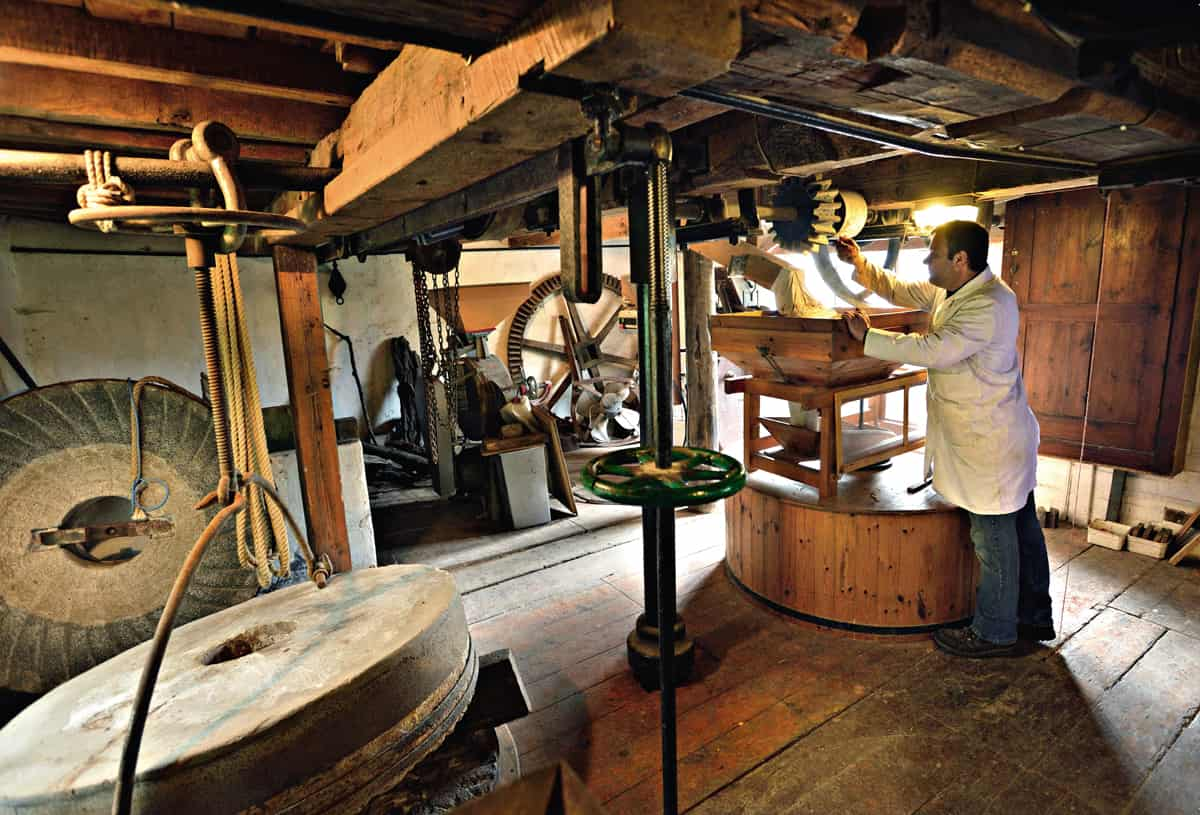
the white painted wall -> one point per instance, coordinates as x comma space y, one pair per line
77, 316
83, 316
10, 318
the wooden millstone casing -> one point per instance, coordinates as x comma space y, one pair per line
810, 349
343, 690
873, 560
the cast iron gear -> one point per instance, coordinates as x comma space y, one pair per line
823, 212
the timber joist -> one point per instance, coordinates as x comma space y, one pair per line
432, 124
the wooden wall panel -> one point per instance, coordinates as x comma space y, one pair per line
1068, 238
1108, 320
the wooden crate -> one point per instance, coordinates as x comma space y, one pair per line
818, 350
1151, 548
1109, 534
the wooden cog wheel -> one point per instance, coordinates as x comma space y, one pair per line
540, 338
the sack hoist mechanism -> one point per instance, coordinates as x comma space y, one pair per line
245, 488
656, 476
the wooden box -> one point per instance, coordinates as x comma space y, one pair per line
1152, 548
818, 350
1109, 534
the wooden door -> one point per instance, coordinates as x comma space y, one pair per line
1052, 253
1107, 289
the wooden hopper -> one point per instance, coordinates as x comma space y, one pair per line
817, 350
799, 442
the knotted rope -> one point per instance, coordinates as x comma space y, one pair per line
103, 188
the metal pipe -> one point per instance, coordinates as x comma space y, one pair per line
646, 405
29, 166
879, 135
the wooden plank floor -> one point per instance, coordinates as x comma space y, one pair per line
787, 718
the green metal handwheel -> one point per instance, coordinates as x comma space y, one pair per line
696, 476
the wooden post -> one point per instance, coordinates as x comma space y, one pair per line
701, 362
307, 367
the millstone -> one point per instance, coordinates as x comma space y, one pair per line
65, 454
304, 700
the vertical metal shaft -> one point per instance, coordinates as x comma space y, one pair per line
646, 403
662, 255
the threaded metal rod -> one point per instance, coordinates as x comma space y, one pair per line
662, 250
212, 360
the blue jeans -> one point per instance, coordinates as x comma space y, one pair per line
1014, 573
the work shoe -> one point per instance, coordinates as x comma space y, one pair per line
964, 642
1035, 633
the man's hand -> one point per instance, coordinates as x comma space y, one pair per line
857, 323
847, 250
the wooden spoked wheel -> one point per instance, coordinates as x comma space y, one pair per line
546, 325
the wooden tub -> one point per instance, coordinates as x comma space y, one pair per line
872, 560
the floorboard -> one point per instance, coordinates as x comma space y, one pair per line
783, 717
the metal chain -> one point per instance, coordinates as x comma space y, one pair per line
438, 350
451, 378
428, 356
443, 352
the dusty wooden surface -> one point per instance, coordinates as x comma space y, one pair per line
815, 350
784, 717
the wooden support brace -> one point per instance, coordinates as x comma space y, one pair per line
432, 124
698, 296
307, 367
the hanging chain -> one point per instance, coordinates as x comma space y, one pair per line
443, 353
451, 359
428, 356
439, 351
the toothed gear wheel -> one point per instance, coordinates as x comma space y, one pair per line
821, 208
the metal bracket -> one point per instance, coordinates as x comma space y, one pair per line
54, 537
765, 352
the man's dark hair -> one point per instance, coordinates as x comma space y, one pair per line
965, 236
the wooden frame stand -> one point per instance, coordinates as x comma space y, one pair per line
765, 453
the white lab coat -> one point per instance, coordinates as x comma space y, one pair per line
982, 439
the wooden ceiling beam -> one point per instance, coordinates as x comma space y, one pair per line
44, 93
70, 39
307, 21
751, 151
20, 133
432, 124
613, 226
909, 180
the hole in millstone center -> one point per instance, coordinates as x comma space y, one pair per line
98, 511
249, 641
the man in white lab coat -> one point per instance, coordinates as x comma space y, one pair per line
982, 438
